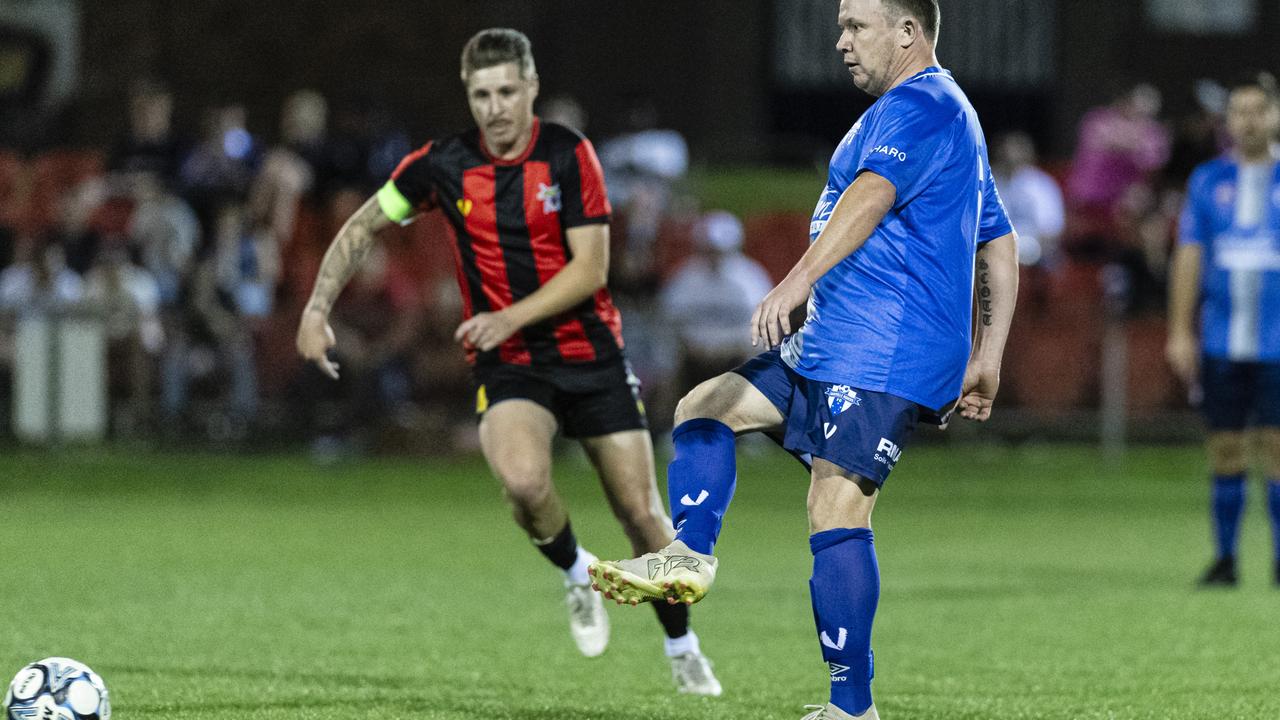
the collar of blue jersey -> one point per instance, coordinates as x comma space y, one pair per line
931, 70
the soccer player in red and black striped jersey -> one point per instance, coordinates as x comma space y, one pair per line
529, 218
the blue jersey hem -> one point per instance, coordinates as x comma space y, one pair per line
876, 387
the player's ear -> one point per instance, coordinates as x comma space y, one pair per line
534, 87
908, 32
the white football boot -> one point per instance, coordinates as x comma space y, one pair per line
692, 674
588, 622
673, 574
831, 712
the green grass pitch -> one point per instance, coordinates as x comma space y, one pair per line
1038, 582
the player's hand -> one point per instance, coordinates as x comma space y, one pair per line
315, 340
486, 331
771, 321
1183, 357
978, 393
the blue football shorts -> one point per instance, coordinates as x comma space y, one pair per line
861, 431
1240, 394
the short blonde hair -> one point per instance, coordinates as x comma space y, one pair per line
497, 46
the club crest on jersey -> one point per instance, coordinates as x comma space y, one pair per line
1224, 194
853, 133
464, 206
841, 398
550, 197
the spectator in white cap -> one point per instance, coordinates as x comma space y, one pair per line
708, 302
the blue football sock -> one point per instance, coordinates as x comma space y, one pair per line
1228, 506
845, 588
700, 481
1273, 507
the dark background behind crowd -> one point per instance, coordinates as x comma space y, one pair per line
178, 169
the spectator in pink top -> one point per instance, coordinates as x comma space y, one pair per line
1120, 146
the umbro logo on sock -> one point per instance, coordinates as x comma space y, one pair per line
838, 671
694, 503
667, 563
839, 644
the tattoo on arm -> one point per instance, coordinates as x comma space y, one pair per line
344, 257
984, 292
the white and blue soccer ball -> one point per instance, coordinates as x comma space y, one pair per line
56, 688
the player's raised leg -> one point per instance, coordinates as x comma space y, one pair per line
700, 483
515, 436
845, 587
1229, 459
624, 461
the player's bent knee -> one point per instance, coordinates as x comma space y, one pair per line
841, 502
527, 485
691, 405
706, 400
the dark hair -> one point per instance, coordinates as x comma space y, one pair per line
926, 12
497, 46
1257, 80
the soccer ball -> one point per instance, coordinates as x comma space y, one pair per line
56, 688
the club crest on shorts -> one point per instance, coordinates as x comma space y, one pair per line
841, 398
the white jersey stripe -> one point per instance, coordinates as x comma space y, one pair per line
1252, 204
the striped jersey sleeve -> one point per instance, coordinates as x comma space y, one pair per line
585, 199
409, 191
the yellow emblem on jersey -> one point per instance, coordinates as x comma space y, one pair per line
482, 401
464, 206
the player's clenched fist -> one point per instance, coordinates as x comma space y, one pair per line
771, 321
979, 392
315, 339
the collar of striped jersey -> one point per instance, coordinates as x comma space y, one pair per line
524, 154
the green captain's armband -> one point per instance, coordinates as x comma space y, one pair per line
393, 204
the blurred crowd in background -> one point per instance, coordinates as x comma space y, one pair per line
199, 252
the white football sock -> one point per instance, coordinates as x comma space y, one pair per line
578, 573
679, 646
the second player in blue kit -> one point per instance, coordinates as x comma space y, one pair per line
908, 237
1226, 270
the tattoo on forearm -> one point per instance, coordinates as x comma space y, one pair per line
343, 258
984, 292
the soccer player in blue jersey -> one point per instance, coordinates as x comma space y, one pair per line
908, 238
1227, 267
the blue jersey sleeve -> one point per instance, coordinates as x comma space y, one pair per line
994, 222
908, 142
1193, 228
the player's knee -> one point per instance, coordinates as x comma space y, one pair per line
1227, 453
845, 504
1269, 444
527, 484
699, 403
